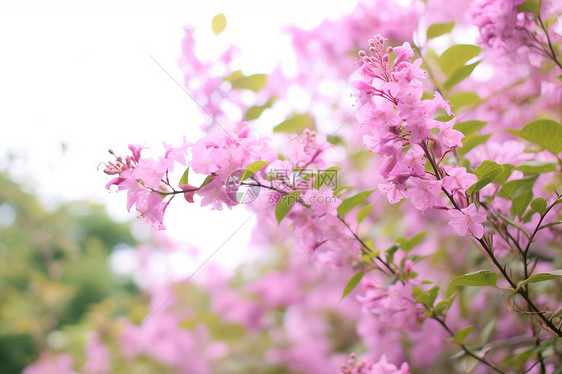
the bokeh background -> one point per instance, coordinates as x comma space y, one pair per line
76, 79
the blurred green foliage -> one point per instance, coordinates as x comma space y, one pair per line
53, 269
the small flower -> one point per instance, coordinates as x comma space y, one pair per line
467, 219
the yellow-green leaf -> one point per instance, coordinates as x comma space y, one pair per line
486, 173
471, 141
352, 202
539, 205
296, 124
256, 111
364, 212
478, 278
536, 167
219, 23
456, 56
253, 82
252, 169
285, 204
529, 6
469, 127
541, 277
438, 29
543, 132
459, 75
353, 282
185, 177
466, 98
461, 335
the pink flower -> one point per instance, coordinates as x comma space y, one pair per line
98, 356
395, 305
369, 367
458, 179
425, 193
467, 219
449, 137
61, 364
394, 192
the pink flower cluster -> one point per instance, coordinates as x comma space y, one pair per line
204, 79
61, 364
146, 180
314, 218
220, 154
380, 367
405, 134
394, 305
163, 338
502, 28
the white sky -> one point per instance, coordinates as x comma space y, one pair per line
77, 73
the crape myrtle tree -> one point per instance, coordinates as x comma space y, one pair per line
413, 209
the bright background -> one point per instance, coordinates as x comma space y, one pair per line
76, 79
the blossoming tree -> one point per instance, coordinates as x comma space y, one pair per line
418, 227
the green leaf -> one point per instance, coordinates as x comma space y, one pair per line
285, 204
340, 189
471, 141
185, 177
539, 205
529, 6
554, 315
427, 96
253, 82
364, 212
520, 203
353, 282
296, 124
409, 244
442, 118
550, 224
536, 167
335, 139
372, 253
459, 75
390, 252
444, 305
543, 132
462, 99
486, 173
504, 174
517, 186
469, 127
415, 240
479, 278
252, 169
456, 56
219, 23
255, 112
519, 357
466, 364
487, 331
541, 277
208, 180
351, 202
461, 335
426, 298
438, 29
